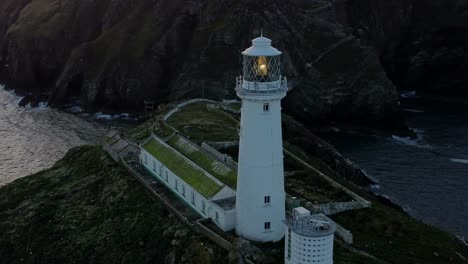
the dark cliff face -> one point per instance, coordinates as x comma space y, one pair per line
422, 44
116, 54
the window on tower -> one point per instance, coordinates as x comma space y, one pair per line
267, 226
266, 200
266, 107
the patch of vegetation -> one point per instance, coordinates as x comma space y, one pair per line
393, 236
201, 124
204, 160
144, 130
88, 209
314, 188
236, 106
291, 164
342, 255
186, 171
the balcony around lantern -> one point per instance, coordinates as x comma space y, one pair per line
259, 88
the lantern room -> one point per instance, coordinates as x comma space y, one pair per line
261, 70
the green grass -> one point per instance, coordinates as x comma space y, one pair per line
236, 106
343, 256
201, 124
395, 237
314, 188
204, 160
143, 131
187, 172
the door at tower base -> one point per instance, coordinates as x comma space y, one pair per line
260, 195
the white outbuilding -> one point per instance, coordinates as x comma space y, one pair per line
309, 238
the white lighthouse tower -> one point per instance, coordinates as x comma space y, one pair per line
260, 196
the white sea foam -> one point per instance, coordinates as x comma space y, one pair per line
41, 106
74, 109
121, 116
411, 142
413, 110
464, 161
409, 94
17, 99
102, 116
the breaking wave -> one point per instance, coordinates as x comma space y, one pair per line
464, 161
411, 142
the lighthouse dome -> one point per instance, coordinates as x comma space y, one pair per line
261, 46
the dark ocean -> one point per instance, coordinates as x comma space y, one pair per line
427, 176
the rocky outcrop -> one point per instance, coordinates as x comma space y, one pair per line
422, 43
116, 54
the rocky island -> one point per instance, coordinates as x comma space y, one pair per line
88, 208
344, 61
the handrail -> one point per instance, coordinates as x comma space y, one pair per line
257, 87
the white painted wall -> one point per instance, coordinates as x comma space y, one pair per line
260, 169
226, 220
304, 249
170, 182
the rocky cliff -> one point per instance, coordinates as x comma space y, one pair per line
115, 54
422, 43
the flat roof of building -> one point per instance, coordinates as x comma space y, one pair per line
226, 203
222, 172
183, 168
312, 226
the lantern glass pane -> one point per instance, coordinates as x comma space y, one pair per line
262, 68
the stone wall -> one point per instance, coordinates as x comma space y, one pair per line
225, 144
335, 208
344, 234
223, 158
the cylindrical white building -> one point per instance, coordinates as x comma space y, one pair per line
309, 239
260, 195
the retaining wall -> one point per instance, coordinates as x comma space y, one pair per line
335, 208
344, 234
223, 158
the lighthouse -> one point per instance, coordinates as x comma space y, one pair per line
260, 195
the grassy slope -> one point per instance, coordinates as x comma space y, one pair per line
204, 125
397, 238
86, 209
